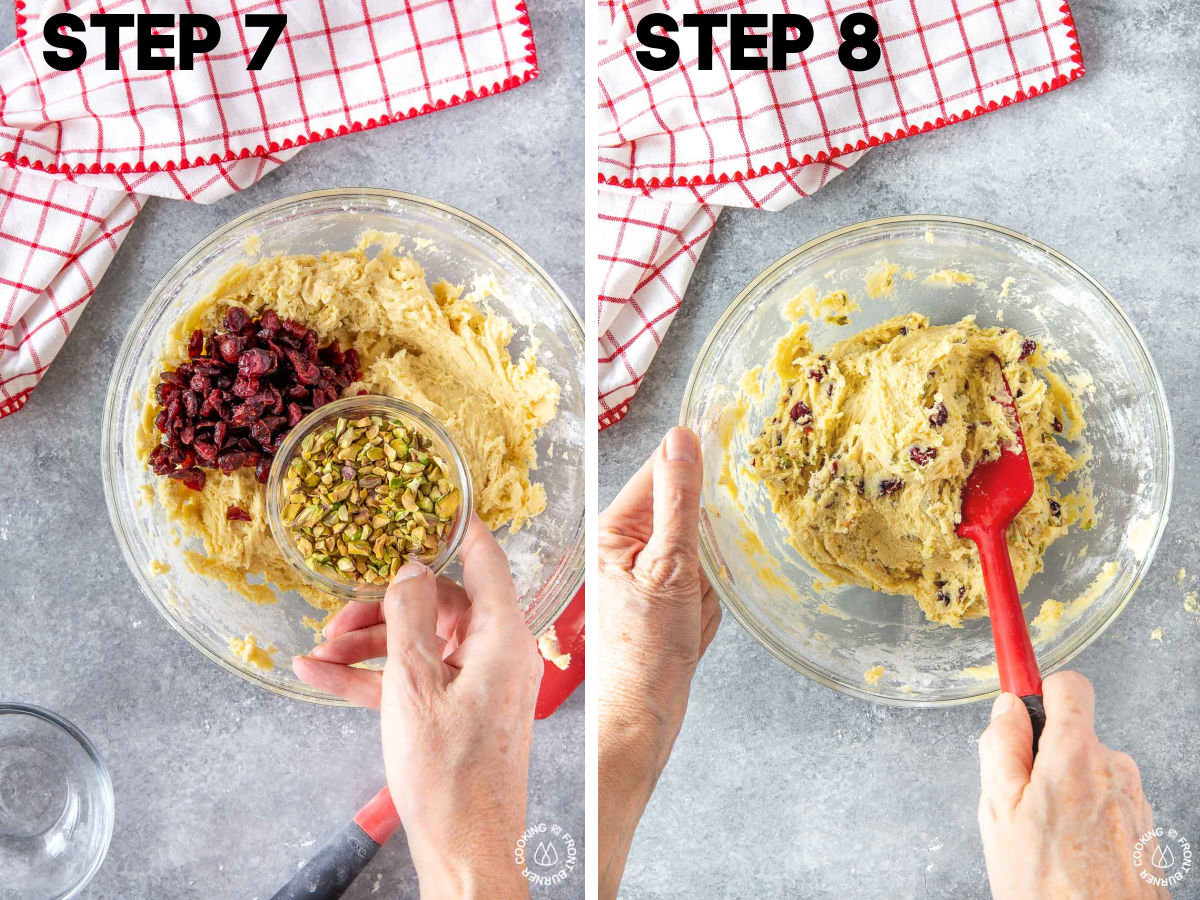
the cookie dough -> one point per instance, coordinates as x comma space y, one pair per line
431, 345
871, 443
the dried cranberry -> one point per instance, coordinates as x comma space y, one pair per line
244, 386
160, 421
191, 403
297, 392
294, 414
229, 347
230, 461
236, 319
890, 486
819, 373
256, 362
220, 432
922, 455
237, 514
191, 477
307, 371
273, 423
800, 411
1027, 348
939, 416
196, 343
201, 384
1057, 425
262, 470
207, 365
261, 433
206, 452
187, 434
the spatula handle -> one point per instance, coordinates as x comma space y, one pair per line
1037, 717
1014, 650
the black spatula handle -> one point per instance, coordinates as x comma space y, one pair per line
1037, 717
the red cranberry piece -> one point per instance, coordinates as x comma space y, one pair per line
273, 423
187, 434
297, 392
207, 365
261, 433
201, 384
174, 378
800, 411
191, 477
1027, 348
191, 403
294, 414
206, 452
160, 421
230, 461
236, 319
939, 415
262, 470
196, 343
1057, 425
890, 486
237, 514
219, 434
307, 372
255, 362
922, 455
244, 386
229, 347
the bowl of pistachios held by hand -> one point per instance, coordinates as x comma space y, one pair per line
362, 486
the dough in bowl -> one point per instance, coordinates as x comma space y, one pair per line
445, 352
871, 443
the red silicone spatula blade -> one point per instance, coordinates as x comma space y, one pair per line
995, 492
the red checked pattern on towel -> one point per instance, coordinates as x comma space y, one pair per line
81, 150
677, 146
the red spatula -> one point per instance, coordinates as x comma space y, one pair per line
994, 493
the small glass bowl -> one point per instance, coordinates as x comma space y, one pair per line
356, 408
56, 805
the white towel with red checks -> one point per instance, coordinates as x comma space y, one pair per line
677, 146
80, 151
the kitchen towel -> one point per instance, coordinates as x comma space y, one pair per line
677, 146
82, 150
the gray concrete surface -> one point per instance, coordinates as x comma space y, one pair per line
779, 787
223, 790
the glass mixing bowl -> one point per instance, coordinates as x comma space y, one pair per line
352, 408
835, 635
546, 555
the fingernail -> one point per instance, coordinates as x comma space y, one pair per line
318, 652
412, 569
680, 445
1005, 703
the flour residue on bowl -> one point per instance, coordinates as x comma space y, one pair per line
1055, 615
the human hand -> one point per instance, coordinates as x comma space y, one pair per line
657, 616
1065, 825
456, 699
